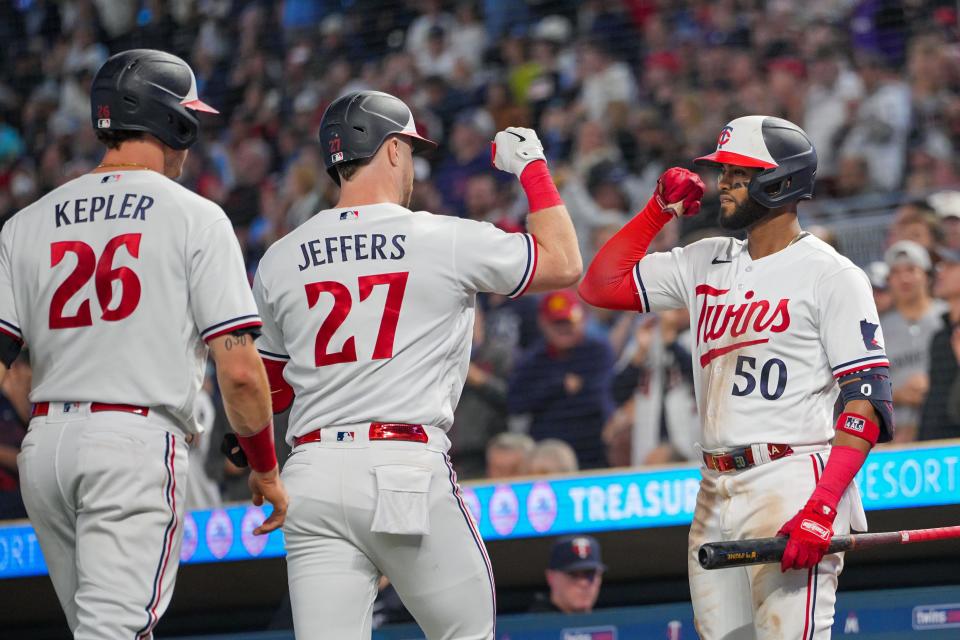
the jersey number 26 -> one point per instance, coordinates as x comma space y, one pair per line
104, 275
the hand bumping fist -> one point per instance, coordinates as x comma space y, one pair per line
516, 147
679, 192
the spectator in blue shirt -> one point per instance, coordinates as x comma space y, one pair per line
564, 382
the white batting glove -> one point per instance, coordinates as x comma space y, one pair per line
516, 147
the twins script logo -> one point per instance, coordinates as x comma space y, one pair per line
718, 321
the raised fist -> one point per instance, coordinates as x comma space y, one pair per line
679, 192
516, 147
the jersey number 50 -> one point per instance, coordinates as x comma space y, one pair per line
746, 366
343, 302
104, 276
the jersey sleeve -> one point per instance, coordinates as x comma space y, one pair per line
491, 260
849, 324
660, 281
9, 319
270, 341
221, 300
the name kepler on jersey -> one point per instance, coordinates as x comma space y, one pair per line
131, 206
359, 246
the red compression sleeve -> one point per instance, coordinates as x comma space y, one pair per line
281, 393
260, 450
609, 282
538, 184
843, 465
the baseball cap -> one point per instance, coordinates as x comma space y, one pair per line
573, 553
561, 305
945, 203
907, 251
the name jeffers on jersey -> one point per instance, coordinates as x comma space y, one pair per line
358, 246
130, 206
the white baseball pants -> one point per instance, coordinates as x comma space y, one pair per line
105, 493
359, 509
758, 602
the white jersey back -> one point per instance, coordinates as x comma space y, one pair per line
114, 281
372, 310
770, 335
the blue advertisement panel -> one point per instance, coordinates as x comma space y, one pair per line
890, 479
898, 614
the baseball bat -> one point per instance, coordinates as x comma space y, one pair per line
737, 553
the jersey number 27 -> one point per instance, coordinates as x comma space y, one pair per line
343, 303
104, 275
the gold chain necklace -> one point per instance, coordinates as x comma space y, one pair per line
105, 165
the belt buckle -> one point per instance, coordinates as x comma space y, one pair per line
740, 461
397, 431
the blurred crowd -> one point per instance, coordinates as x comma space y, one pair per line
618, 90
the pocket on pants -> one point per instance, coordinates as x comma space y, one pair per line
402, 500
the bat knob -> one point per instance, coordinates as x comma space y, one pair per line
707, 556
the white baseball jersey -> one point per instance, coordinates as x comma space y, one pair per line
770, 335
372, 309
114, 281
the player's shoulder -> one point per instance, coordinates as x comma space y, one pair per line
824, 264
190, 203
68, 190
465, 227
712, 250
823, 256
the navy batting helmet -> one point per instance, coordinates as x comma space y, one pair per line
150, 91
777, 146
355, 126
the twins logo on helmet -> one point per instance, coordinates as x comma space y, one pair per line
779, 148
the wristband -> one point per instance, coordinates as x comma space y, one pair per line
260, 449
858, 426
538, 184
843, 465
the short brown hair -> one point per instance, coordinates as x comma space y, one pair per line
113, 139
349, 169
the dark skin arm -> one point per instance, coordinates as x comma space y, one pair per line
843, 439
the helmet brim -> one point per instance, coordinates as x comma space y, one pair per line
198, 105
420, 144
720, 157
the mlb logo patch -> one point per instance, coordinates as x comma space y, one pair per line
345, 436
854, 424
350, 215
71, 407
114, 177
336, 157
103, 123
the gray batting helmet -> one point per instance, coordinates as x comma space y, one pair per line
150, 91
355, 126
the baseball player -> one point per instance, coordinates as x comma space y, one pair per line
783, 326
119, 281
368, 313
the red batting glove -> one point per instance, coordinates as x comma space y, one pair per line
679, 185
810, 532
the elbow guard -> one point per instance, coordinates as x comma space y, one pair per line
872, 385
281, 393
